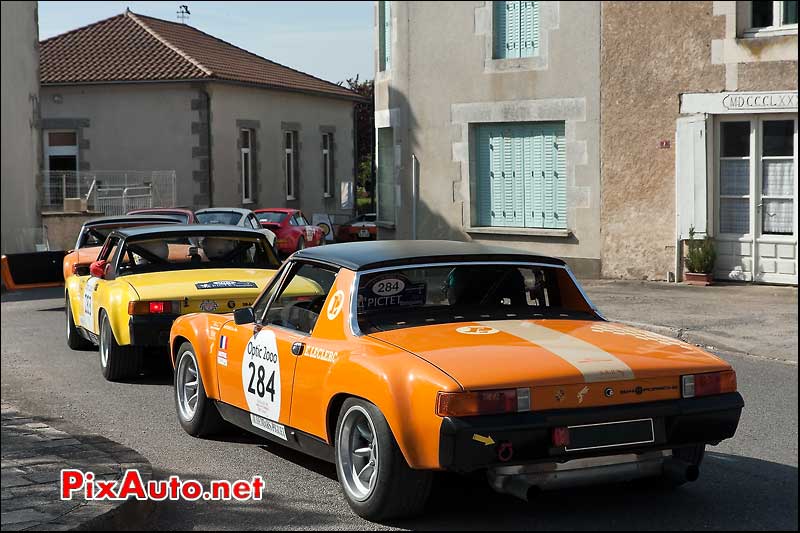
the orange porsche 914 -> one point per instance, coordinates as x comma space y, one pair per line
397, 359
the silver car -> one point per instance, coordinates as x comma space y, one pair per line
233, 216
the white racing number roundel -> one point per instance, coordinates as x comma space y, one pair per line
476, 330
261, 375
388, 287
335, 305
87, 301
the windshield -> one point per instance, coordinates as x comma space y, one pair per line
96, 235
273, 217
219, 217
184, 252
467, 293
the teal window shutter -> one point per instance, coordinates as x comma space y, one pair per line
529, 28
486, 169
506, 29
521, 175
385, 37
516, 28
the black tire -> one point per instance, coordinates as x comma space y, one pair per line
301, 244
117, 362
75, 340
399, 491
205, 420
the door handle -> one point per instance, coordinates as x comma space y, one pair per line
297, 348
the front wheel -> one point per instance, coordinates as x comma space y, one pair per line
74, 338
117, 362
375, 478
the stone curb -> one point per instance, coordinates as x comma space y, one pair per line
35, 449
707, 341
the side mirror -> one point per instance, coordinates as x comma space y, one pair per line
243, 316
81, 270
98, 269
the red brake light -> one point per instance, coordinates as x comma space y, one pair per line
482, 402
153, 308
709, 384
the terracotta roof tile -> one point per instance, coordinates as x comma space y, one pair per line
130, 47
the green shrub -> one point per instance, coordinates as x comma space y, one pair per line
701, 254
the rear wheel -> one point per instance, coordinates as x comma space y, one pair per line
74, 338
117, 362
301, 244
375, 478
197, 414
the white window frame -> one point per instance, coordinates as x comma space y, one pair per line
247, 179
327, 165
777, 28
290, 161
71, 150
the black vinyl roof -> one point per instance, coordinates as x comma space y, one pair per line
376, 254
121, 219
188, 229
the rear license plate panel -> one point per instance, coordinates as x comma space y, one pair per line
611, 434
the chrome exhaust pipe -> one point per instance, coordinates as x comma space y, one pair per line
518, 487
680, 471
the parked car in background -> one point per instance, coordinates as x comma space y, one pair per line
186, 216
292, 230
93, 234
144, 278
361, 228
234, 216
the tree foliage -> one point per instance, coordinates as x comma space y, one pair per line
365, 124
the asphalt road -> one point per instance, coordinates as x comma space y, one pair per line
749, 482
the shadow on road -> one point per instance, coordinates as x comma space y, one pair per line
29, 295
733, 493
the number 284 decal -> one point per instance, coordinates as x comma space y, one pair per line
261, 375
260, 388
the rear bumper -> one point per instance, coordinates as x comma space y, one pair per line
151, 330
528, 436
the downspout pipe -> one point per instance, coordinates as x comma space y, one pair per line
414, 194
210, 151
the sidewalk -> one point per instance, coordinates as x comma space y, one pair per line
33, 454
759, 320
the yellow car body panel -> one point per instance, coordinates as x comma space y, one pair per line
89, 296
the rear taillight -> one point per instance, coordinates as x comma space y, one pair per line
695, 385
483, 402
156, 307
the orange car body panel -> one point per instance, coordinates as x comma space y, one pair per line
83, 256
402, 371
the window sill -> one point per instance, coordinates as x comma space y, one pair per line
385, 224
290, 198
326, 195
531, 232
247, 202
775, 31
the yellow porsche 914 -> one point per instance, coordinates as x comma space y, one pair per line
146, 277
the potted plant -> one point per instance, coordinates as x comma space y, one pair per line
700, 258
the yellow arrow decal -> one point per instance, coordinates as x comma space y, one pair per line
487, 441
